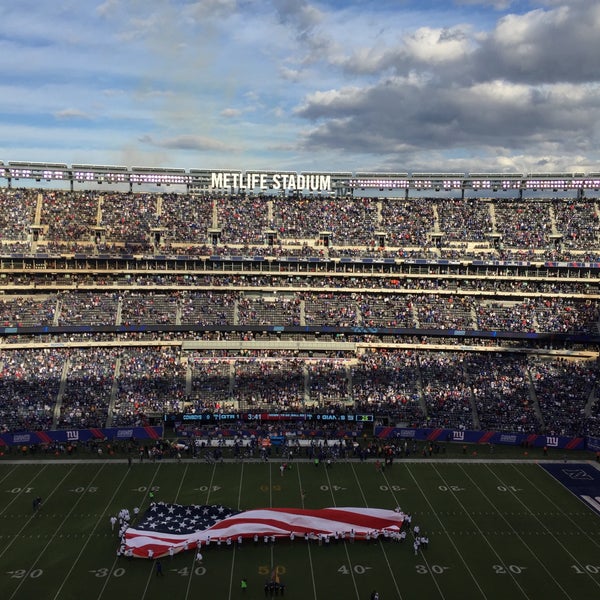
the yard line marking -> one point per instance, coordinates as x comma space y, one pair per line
239, 504
212, 478
231, 574
189, 583
485, 538
16, 535
271, 506
464, 562
312, 570
152, 563
100, 518
23, 488
270, 487
235, 545
345, 544
549, 531
181, 482
381, 543
10, 473
557, 507
51, 540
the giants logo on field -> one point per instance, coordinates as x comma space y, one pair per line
552, 440
458, 436
72, 436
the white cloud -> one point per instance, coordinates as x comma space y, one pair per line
187, 142
71, 113
438, 45
303, 84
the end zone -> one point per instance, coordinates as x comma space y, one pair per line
581, 479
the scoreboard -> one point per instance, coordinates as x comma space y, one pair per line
265, 416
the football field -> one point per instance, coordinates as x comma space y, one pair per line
497, 530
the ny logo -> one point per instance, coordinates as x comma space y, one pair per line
577, 474
458, 436
72, 435
552, 440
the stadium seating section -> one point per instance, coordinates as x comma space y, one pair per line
288, 317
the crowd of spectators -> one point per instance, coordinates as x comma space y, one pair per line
44, 387
526, 225
464, 310
150, 380
578, 223
350, 222
407, 223
563, 407
88, 386
459, 390
243, 220
29, 385
464, 220
196, 224
17, 214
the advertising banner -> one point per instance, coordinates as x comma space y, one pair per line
73, 436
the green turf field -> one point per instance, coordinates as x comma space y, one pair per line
497, 530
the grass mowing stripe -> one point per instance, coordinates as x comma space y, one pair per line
17, 496
435, 514
57, 595
345, 544
582, 531
382, 547
312, 569
51, 540
526, 507
32, 516
468, 514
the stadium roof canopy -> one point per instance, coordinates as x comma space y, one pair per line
202, 179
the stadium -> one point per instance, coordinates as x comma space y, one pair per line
343, 316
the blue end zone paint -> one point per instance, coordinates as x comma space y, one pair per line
581, 479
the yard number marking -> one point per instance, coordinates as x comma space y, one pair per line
502, 570
185, 572
205, 488
20, 573
593, 569
266, 570
435, 569
450, 488
358, 569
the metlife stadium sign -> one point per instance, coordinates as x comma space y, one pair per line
271, 181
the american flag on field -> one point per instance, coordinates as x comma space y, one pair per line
186, 527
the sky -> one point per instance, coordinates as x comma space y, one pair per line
458, 86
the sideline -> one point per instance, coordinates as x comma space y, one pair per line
277, 459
